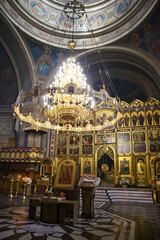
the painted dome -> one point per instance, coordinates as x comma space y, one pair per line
103, 22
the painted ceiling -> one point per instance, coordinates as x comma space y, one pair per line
103, 22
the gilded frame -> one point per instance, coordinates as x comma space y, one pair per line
102, 115
158, 168
69, 165
139, 136
139, 147
105, 138
126, 161
123, 137
86, 166
124, 148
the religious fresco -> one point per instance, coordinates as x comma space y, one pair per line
45, 63
8, 80
45, 58
50, 15
39, 10
96, 20
66, 23
148, 37
108, 138
123, 6
84, 1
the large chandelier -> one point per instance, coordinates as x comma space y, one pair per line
70, 99
69, 103
66, 104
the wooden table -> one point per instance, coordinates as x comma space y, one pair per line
49, 210
52, 210
33, 204
68, 208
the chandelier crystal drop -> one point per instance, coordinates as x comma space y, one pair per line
70, 99
69, 73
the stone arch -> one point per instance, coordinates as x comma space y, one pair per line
132, 65
17, 50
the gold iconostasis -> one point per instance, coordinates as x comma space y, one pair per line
127, 148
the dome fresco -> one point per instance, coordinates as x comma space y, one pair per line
85, 2
105, 21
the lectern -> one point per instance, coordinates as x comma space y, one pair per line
87, 183
88, 194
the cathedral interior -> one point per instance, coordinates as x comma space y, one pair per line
80, 119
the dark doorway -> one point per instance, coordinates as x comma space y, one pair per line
105, 169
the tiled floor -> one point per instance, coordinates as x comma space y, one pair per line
118, 222
147, 218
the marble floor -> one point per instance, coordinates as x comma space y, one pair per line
113, 222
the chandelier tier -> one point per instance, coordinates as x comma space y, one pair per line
68, 104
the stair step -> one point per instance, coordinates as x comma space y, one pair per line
125, 197
122, 191
126, 194
131, 200
131, 196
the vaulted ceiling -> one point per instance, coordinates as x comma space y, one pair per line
111, 36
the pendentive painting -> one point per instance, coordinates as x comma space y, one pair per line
123, 148
87, 139
123, 137
139, 147
86, 167
124, 166
87, 149
139, 136
108, 138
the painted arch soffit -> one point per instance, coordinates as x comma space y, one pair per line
104, 22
